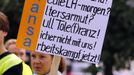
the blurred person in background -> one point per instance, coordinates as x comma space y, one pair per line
20, 52
10, 63
11, 46
41, 63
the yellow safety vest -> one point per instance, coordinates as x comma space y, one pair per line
11, 60
26, 70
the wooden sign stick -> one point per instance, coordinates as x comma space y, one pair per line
55, 65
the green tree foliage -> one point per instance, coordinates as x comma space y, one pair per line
119, 37
118, 45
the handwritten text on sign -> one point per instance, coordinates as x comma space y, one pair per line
74, 28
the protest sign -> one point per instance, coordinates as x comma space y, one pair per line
71, 28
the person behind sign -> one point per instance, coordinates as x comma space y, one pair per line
11, 46
10, 64
41, 63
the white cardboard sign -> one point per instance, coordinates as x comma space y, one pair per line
74, 28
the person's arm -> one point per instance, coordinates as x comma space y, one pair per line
15, 70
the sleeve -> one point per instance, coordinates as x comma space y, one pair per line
59, 73
15, 70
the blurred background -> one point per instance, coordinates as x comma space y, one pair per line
118, 49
